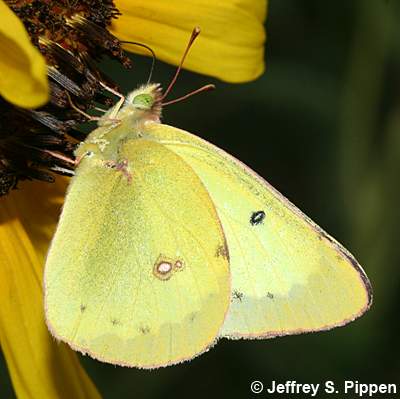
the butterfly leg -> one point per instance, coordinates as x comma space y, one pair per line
117, 108
119, 103
100, 109
122, 166
92, 118
73, 106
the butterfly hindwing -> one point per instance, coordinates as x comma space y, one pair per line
137, 273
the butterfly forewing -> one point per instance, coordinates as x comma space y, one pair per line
288, 275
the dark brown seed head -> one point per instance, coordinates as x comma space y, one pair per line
72, 36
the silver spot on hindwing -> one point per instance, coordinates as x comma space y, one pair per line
165, 267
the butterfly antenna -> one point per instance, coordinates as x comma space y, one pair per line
195, 33
153, 54
192, 93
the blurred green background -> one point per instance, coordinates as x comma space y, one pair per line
323, 126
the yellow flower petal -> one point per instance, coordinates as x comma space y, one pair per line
39, 206
23, 79
230, 47
39, 366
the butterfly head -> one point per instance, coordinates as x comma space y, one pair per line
143, 101
147, 100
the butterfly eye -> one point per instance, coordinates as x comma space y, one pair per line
143, 101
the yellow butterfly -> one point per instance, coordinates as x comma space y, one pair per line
167, 243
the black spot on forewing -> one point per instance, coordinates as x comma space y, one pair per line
237, 295
257, 218
144, 330
222, 250
192, 316
115, 322
270, 295
82, 308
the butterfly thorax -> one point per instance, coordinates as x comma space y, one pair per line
122, 122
